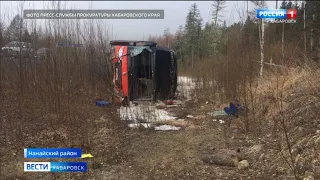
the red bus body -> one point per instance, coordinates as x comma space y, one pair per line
143, 71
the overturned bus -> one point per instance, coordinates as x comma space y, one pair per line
143, 71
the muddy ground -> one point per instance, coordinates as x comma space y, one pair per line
179, 154
203, 147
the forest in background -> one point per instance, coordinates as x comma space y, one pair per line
197, 41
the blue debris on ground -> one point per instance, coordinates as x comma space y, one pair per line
231, 110
102, 103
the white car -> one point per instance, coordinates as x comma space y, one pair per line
16, 48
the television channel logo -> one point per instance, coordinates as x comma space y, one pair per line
55, 166
277, 15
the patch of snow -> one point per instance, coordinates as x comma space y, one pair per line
144, 113
221, 121
185, 86
135, 125
167, 128
148, 112
190, 116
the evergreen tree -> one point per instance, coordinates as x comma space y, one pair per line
15, 30
34, 37
217, 8
26, 36
193, 24
179, 44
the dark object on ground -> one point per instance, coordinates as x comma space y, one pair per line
102, 103
220, 160
232, 109
235, 109
168, 102
223, 157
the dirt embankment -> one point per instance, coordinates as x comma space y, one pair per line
283, 147
285, 144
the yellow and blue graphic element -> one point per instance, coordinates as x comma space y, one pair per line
55, 166
86, 156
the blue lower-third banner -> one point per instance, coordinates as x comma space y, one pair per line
55, 166
52, 152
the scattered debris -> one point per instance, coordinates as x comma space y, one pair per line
221, 160
190, 116
223, 157
136, 125
147, 113
281, 170
254, 150
200, 117
308, 175
221, 121
167, 128
244, 164
217, 113
316, 170
169, 102
232, 110
235, 130
101, 103
317, 141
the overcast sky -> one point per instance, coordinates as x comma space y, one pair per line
175, 14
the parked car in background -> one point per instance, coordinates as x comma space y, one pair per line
18, 49
42, 53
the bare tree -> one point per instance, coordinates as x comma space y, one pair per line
217, 8
304, 26
241, 12
282, 41
167, 36
261, 4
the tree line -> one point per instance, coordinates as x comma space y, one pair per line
17, 31
196, 40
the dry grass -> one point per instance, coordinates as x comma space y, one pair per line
51, 102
